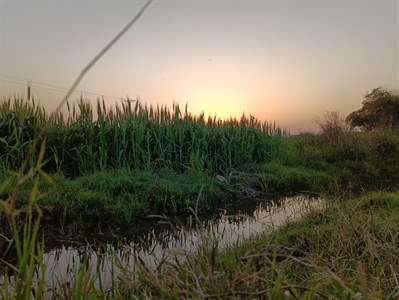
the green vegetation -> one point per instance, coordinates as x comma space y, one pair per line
349, 251
129, 161
134, 161
353, 162
133, 137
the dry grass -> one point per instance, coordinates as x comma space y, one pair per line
350, 251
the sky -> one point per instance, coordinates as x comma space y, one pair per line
283, 61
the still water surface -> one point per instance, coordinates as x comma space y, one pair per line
166, 238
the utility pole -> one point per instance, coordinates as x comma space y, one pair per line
29, 87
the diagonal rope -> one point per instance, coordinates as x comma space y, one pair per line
99, 55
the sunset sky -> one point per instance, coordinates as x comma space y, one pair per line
283, 61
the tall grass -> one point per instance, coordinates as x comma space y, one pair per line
23, 240
356, 161
134, 136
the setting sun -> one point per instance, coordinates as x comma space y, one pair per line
218, 102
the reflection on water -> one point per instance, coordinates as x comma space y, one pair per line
228, 226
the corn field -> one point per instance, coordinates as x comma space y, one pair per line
95, 138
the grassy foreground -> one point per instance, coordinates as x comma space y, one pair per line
349, 251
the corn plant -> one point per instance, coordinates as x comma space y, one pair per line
131, 135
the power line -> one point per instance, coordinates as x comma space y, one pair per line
24, 81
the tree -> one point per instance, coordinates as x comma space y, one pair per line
380, 111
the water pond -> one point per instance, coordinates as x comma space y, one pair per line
106, 250
228, 226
